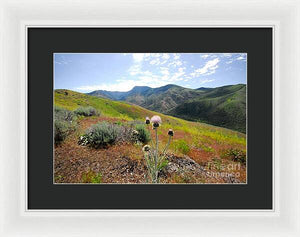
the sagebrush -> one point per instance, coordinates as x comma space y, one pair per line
87, 111
143, 135
64, 124
102, 134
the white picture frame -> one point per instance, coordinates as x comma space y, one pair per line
282, 15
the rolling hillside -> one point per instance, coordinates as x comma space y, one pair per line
195, 147
223, 106
121, 110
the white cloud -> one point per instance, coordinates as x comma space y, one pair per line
205, 56
155, 61
155, 70
165, 56
178, 76
227, 55
138, 57
181, 69
155, 55
120, 86
208, 69
206, 81
164, 70
240, 58
135, 69
176, 56
158, 59
175, 63
124, 85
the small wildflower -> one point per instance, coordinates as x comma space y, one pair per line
146, 148
171, 133
147, 121
156, 121
135, 132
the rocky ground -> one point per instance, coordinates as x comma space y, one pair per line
124, 163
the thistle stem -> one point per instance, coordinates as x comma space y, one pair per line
150, 136
156, 155
167, 146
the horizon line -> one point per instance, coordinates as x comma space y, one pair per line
152, 88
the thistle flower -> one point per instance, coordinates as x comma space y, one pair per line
171, 133
147, 121
146, 148
156, 121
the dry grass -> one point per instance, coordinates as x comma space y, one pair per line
124, 163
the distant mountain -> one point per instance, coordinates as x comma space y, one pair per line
159, 99
222, 106
119, 95
204, 89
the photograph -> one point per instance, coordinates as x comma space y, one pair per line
150, 118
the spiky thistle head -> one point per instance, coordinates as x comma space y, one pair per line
171, 132
147, 121
146, 148
156, 121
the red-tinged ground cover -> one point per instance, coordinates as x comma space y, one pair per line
198, 153
192, 160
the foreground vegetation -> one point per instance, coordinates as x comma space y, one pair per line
106, 148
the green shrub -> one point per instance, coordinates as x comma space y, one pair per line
143, 134
63, 114
87, 111
64, 124
126, 134
102, 134
181, 146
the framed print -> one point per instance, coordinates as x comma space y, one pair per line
156, 119
159, 131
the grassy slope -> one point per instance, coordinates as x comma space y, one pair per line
205, 142
203, 132
224, 107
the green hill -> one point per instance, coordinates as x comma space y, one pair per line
71, 100
222, 106
225, 107
117, 109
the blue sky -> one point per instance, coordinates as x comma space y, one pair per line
122, 71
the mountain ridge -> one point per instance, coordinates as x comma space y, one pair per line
221, 106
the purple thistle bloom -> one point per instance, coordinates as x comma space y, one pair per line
156, 119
